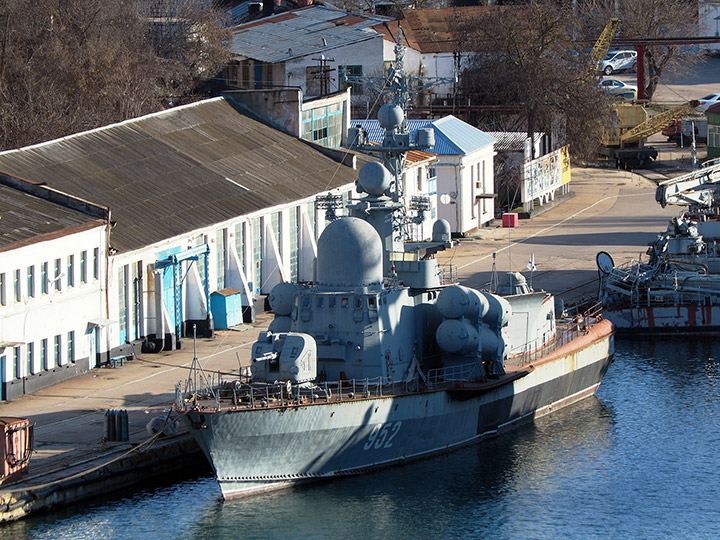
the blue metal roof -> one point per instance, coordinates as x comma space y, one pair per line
453, 137
301, 32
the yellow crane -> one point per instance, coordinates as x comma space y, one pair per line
657, 122
600, 49
622, 141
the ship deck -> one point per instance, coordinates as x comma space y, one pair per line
239, 393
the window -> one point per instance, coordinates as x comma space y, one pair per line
220, 247
350, 71
96, 263
44, 278
31, 281
713, 136
18, 294
17, 368
3, 299
275, 220
473, 185
44, 354
257, 254
136, 279
122, 301
71, 346
83, 267
432, 178
58, 351
56, 279
240, 245
232, 74
71, 271
30, 358
418, 180
245, 67
294, 242
323, 125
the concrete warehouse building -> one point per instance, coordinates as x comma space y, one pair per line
197, 198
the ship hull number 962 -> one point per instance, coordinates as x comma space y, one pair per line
382, 435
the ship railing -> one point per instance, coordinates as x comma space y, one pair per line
200, 386
448, 274
239, 393
565, 332
439, 377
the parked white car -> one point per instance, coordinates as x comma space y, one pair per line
615, 87
618, 61
708, 101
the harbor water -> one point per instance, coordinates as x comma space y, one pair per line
639, 460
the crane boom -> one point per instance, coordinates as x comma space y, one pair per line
602, 44
699, 189
657, 122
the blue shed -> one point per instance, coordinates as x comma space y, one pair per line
226, 307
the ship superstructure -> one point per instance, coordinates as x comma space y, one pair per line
677, 289
379, 360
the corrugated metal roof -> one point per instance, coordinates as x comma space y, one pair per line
430, 30
168, 173
25, 217
452, 136
511, 141
300, 33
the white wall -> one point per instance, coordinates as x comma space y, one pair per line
460, 180
276, 265
42, 315
369, 54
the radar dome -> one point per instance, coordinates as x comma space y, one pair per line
441, 231
391, 116
374, 178
349, 254
282, 298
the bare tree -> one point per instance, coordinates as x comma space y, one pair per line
526, 56
71, 66
190, 38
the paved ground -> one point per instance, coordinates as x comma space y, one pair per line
684, 84
613, 211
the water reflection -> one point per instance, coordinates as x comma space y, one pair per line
637, 461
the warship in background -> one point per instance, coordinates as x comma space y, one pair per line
378, 360
678, 289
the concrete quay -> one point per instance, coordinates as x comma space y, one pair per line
71, 462
614, 211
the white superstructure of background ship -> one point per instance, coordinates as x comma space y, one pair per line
678, 288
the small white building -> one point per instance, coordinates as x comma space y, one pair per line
53, 316
464, 188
